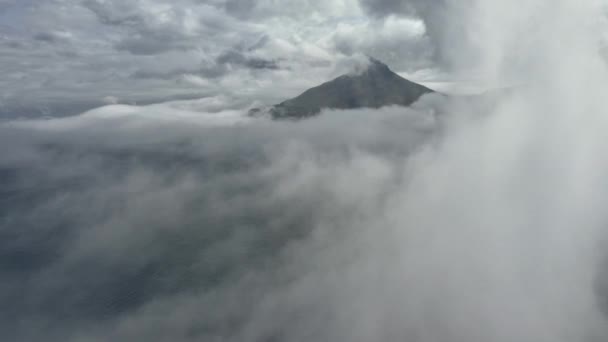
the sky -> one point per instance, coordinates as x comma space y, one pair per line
63, 53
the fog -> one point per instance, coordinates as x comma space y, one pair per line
462, 218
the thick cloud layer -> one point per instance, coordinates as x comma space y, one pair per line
122, 225
434, 223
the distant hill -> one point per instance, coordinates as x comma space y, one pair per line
375, 87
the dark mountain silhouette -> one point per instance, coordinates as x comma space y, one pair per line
375, 87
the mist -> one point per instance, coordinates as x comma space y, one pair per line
461, 218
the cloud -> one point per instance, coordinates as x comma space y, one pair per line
255, 184
400, 42
395, 7
454, 45
236, 58
477, 218
411, 223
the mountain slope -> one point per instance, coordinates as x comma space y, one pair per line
375, 87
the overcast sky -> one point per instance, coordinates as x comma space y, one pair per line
81, 52
60, 57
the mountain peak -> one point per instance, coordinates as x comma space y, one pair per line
372, 87
368, 65
377, 66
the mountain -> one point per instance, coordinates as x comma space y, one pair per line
375, 87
